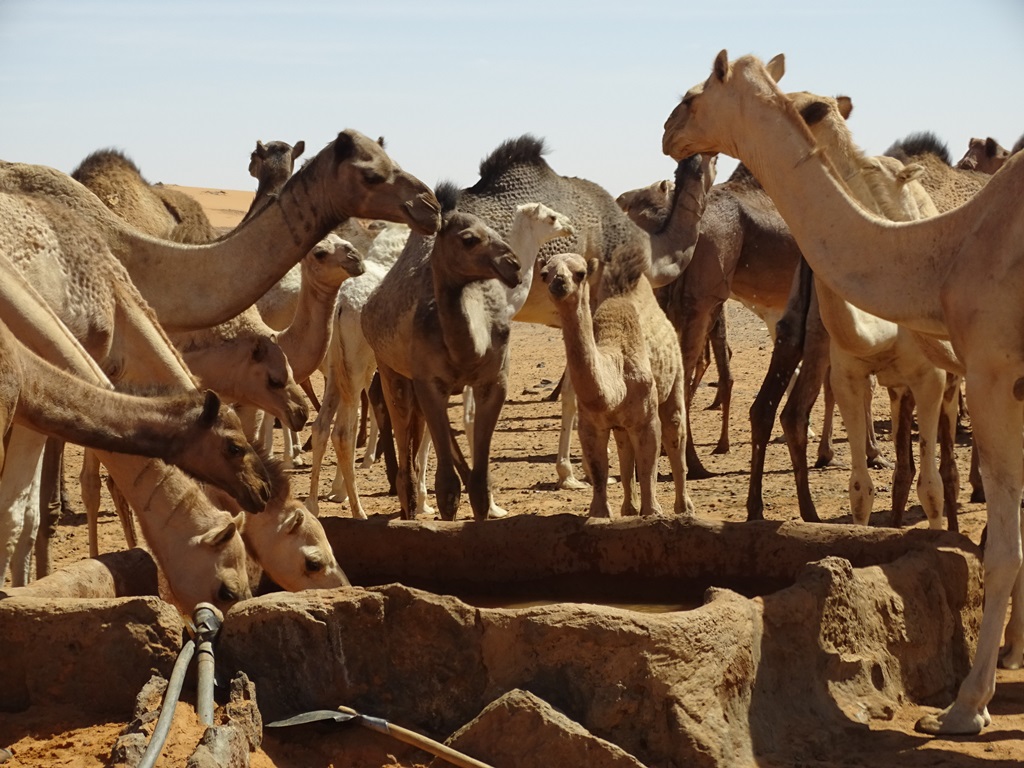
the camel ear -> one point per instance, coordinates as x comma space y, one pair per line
776, 67
295, 523
298, 149
220, 537
594, 264
259, 350
261, 149
910, 172
991, 147
211, 407
344, 147
720, 68
815, 112
845, 106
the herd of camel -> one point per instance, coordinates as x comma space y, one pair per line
130, 326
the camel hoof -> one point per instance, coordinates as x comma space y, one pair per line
338, 497
949, 722
720, 449
698, 473
830, 461
496, 513
358, 514
571, 484
879, 462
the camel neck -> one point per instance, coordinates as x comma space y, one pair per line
200, 286
846, 247
581, 351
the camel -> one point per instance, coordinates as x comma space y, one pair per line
956, 275
947, 186
196, 545
350, 368
983, 156
863, 346
437, 323
627, 371
351, 177
90, 292
151, 208
271, 164
516, 173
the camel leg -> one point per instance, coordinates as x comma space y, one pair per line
307, 387
422, 459
947, 453
386, 439
89, 480
319, 435
563, 463
723, 396
997, 420
344, 438
49, 503
646, 452
19, 498
848, 384
468, 417
1011, 655
673, 441
373, 432
489, 398
695, 322
594, 445
399, 396
124, 512
929, 389
977, 486
796, 414
627, 470
433, 405
901, 407
786, 352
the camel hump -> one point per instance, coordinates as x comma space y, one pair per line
920, 143
103, 161
524, 150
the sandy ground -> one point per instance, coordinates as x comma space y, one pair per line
523, 477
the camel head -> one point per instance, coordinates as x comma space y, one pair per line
210, 567
291, 546
216, 451
467, 249
275, 161
565, 275
709, 114
984, 155
334, 260
368, 184
546, 222
649, 207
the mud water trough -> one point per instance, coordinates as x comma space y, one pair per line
648, 642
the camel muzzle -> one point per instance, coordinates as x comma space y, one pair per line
424, 213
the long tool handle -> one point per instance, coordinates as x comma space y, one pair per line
435, 748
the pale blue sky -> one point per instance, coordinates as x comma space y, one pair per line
185, 88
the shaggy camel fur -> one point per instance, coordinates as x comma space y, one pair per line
437, 323
516, 173
350, 366
959, 274
151, 208
196, 545
351, 177
616, 381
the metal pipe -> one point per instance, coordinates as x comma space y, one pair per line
163, 723
208, 620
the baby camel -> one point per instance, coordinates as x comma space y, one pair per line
627, 370
437, 323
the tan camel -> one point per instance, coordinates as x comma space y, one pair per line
983, 156
948, 187
350, 367
439, 322
516, 173
351, 176
271, 164
197, 546
285, 542
864, 346
153, 209
617, 388
959, 274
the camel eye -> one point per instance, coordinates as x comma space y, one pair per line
235, 449
313, 566
469, 239
374, 177
275, 383
226, 594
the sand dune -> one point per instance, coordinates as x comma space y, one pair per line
224, 207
